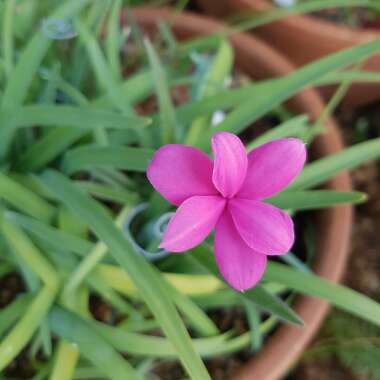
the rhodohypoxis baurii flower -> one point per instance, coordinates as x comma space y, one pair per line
227, 194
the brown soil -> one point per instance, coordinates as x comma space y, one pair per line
10, 286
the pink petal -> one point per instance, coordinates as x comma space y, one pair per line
240, 266
265, 228
192, 222
230, 164
179, 172
271, 167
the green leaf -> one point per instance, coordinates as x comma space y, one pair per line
51, 235
154, 346
25, 200
197, 318
169, 127
292, 260
110, 193
321, 170
47, 147
295, 127
211, 82
92, 346
103, 74
13, 343
314, 199
8, 35
10, 313
339, 296
146, 279
67, 116
273, 304
352, 76
253, 318
113, 39
115, 157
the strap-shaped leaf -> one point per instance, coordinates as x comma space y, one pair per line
115, 157
92, 346
338, 295
321, 170
67, 116
314, 199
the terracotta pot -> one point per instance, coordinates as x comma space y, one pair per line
333, 225
304, 39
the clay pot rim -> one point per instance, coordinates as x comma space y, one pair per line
282, 349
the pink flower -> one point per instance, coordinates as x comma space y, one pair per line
228, 194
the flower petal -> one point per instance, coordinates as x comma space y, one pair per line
230, 164
271, 167
192, 222
179, 172
240, 266
265, 228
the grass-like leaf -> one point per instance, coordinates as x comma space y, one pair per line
92, 346
321, 170
315, 199
25, 200
338, 295
115, 157
67, 116
170, 129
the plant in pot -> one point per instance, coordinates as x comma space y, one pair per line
86, 106
305, 38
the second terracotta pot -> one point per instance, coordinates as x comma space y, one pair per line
304, 39
332, 225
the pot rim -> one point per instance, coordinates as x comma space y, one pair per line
333, 225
